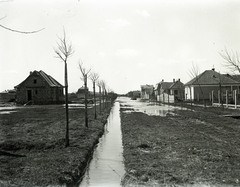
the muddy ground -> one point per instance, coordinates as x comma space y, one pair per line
196, 147
32, 148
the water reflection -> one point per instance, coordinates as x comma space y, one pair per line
107, 167
148, 108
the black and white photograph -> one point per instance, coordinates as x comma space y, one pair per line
119, 93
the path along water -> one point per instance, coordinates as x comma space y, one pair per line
107, 167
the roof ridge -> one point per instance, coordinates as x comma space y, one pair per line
49, 79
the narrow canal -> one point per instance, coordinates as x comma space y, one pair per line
107, 167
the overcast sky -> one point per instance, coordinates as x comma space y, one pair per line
128, 42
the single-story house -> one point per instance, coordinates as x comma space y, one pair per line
202, 86
147, 91
169, 91
39, 88
177, 89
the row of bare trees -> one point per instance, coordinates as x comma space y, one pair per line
63, 51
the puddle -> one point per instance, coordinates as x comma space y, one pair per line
7, 112
148, 108
107, 167
77, 105
233, 116
8, 109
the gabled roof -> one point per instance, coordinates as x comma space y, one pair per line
50, 80
177, 84
211, 77
147, 86
47, 78
166, 85
234, 77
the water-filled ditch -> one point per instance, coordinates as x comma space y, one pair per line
107, 167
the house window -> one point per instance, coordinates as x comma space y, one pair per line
175, 92
35, 81
36, 92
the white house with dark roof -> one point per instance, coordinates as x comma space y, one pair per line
208, 82
39, 88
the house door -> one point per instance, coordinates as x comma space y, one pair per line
29, 95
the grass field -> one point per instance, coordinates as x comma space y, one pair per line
32, 149
196, 147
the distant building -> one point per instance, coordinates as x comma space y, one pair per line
177, 89
147, 91
169, 91
8, 96
39, 88
81, 93
134, 94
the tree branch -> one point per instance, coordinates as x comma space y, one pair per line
231, 61
22, 32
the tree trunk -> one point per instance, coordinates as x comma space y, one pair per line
100, 99
86, 104
66, 106
94, 95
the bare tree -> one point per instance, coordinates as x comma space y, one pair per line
64, 50
94, 77
232, 61
194, 73
99, 84
103, 85
85, 73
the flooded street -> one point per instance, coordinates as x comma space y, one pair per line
150, 108
107, 167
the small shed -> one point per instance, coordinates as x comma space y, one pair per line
39, 88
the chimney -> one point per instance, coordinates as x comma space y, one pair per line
162, 80
173, 80
179, 79
213, 69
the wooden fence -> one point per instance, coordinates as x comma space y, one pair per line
227, 99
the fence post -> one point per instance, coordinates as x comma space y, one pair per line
212, 97
219, 98
226, 98
235, 96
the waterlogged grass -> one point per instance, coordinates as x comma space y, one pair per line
193, 148
35, 136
